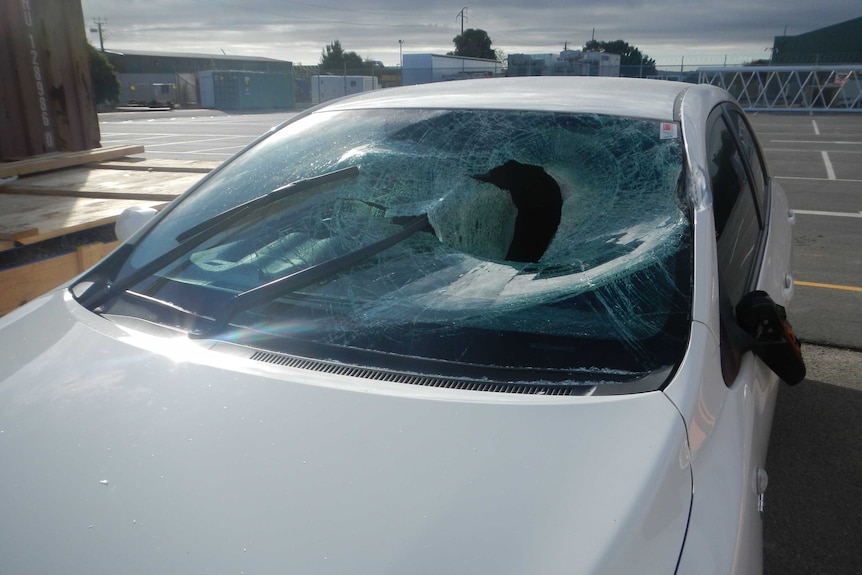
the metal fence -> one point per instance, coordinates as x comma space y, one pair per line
808, 88
790, 88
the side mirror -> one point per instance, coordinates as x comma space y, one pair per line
131, 220
772, 337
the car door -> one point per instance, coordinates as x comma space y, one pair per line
752, 247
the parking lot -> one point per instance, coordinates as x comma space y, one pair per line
817, 159
814, 500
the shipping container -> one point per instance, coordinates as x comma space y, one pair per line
324, 88
234, 90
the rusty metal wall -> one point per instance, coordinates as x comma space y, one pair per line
46, 102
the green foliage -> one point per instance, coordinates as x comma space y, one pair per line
333, 58
632, 61
474, 43
103, 78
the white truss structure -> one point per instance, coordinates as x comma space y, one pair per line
790, 88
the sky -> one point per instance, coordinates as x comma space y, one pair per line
688, 31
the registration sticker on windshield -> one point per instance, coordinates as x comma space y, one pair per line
668, 131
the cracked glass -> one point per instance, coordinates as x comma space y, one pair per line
523, 246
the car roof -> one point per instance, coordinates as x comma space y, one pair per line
632, 97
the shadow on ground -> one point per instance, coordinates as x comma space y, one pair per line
813, 519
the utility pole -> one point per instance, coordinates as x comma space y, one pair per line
99, 22
462, 14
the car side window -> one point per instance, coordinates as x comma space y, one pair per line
737, 225
751, 154
736, 216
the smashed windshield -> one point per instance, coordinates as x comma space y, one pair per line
546, 246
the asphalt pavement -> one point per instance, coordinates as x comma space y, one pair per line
813, 507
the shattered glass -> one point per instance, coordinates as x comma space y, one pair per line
546, 243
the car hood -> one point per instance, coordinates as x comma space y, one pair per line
130, 453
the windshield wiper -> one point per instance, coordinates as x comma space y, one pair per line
196, 235
310, 275
223, 220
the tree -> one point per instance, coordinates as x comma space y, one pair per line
474, 43
632, 61
103, 77
333, 58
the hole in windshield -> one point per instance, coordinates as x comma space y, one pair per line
538, 204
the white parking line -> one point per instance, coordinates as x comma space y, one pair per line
170, 135
173, 154
830, 171
821, 142
833, 214
230, 150
816, 129
797, 150
852, 181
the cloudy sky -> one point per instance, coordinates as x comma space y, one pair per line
668, 30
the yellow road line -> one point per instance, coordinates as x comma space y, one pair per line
827, 286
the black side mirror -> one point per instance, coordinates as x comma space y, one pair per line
772, 337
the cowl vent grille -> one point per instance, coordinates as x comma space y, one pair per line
341, 369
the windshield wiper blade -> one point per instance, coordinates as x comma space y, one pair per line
224, 219
310, 275
196, 235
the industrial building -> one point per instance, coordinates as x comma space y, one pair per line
426, 68
836, 44
566, 63
229, 82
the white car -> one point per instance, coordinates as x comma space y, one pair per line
526, 325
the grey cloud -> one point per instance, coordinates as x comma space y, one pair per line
298, 31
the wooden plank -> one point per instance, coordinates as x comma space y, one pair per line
105, 184
109, 195
25, 283
52, 217
17, 235
57, 160
22, 284
91, 254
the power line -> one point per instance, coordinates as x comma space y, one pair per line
99, 22
462, 14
